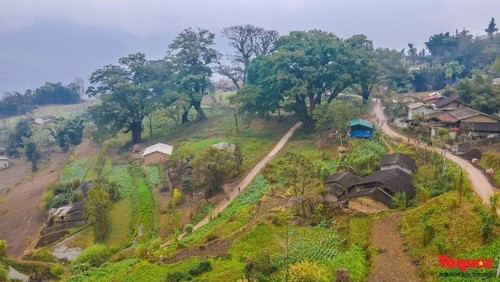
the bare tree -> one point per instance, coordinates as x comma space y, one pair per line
248, 41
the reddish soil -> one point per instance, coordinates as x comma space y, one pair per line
21, 216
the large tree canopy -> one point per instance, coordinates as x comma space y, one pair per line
192, 54
306, 68
126, 95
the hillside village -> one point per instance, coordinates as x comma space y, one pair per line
292, 167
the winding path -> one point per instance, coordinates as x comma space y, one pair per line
250, 176
244, 182
479, 182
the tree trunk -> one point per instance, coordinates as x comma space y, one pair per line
150, 126
200, 115
185, 116
236, 123
136, 129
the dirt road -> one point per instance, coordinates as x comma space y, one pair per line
391, 262
21, 215
232, 193
479, 182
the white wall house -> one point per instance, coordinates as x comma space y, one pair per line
417, 109
4, 162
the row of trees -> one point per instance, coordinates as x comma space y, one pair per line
296, 72
16, 103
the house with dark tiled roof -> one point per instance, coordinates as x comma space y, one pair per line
449, 103
480, 129
338, 183
376, 192
398, 160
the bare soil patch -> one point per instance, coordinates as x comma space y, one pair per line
21, 208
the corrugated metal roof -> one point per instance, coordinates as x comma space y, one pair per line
225, 146
160, 147
415, 105
446, 118
360, 121
464, 113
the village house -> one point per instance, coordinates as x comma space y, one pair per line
157, 153
338, 183
361, 128
398, 160
480, 129
376, 192
4, 162
449, 103
430, 100
418, 109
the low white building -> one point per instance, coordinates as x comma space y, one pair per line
4, 162
418, 109
157, 153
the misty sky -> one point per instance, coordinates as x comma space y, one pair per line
58, 40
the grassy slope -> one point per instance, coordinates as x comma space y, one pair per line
457, 229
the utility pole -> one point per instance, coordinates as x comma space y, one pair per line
460, 180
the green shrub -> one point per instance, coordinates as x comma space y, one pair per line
177, 276
3, 248
93, 256
4, 274
57, 270
188, 228
203, 266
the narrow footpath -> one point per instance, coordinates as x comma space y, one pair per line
243, 184
250, 176
392, 264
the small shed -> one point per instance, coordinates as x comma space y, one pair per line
4, 162
157, 153
44, 119
398, 160
360, 128
224, 146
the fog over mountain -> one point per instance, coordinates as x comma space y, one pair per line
58, 40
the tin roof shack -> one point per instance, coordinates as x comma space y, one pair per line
361, 128
398, 160
4, 162
377, 191
338, 183
157, 153
224, 146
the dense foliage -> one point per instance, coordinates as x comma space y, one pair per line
16, 103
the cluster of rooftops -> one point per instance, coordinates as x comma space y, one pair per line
393, 177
